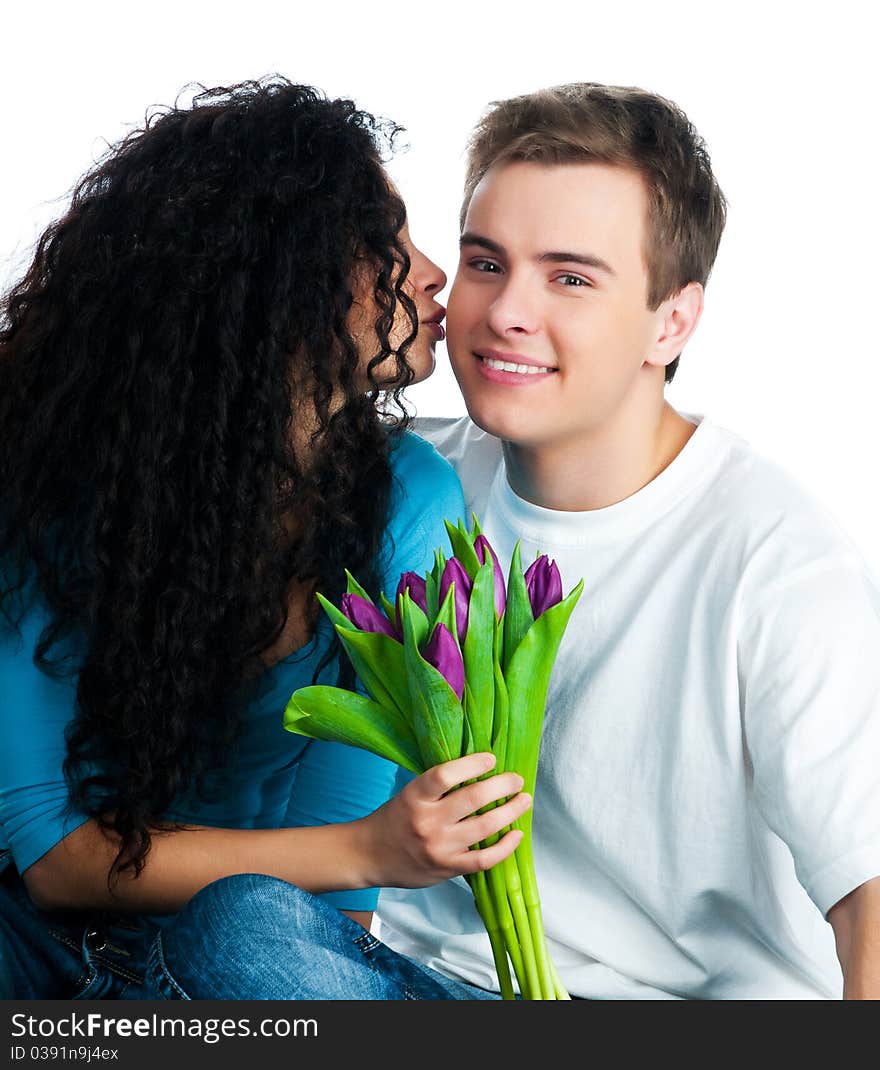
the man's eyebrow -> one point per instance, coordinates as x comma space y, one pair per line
553, 257
469, 238
587, 259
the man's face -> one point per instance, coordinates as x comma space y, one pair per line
552, 274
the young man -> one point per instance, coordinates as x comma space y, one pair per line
707, 797
706, 792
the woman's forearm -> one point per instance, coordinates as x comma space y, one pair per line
73, 875
425, 833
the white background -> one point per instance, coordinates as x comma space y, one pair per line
787, 352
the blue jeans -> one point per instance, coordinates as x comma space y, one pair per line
256, 937
68, 955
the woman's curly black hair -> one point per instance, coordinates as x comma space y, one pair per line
176, 327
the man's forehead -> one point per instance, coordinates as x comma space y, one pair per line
557, 206
563, 191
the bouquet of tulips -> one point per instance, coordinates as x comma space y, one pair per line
459, 663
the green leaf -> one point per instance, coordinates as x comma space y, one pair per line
355, 588
432, 598
527, 677
446, 614
500, 720
379, 662
477, 530
339, 716
518, 614
388, 607
337, 618
478, 655
463, 548
437, 716
420, 621
468, 744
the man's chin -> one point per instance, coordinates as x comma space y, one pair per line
504, 425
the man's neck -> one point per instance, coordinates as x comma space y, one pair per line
600, 467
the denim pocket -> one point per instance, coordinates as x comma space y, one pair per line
158, 982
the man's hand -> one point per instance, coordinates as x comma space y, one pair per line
856, 923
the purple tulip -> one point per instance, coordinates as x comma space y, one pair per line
365, 616
417, 590
454, 572
442, 652
544, 585
481, 546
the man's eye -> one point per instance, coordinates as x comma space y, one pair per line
487, 266
572, 280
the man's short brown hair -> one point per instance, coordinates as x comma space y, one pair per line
583, 122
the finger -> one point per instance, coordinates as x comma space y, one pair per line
435, 782
482, 826
486, 857
468, 800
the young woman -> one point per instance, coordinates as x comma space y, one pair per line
200, 427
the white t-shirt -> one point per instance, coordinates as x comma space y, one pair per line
707, 784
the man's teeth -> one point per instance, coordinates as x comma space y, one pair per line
522, 369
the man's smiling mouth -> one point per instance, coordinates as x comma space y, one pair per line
512, 362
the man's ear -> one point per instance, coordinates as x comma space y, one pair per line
676, 319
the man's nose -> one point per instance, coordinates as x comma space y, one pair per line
514, 310
515, 307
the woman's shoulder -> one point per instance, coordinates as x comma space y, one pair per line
426, 491
420, 472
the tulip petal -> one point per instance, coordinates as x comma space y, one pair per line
544, 585
482, 546
478, 651
417, 590
455, 573
442, 652
365, 616
436, 713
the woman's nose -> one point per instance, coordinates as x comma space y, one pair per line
427, 275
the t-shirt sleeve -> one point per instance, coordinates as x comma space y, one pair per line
34, 711
809, 664
335, 782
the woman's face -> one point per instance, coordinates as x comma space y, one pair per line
424, 282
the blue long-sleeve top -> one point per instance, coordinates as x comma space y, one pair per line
273, 778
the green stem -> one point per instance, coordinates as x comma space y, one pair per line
496, 900
486, 908
526, 866
561, 992
498, 892
531, 989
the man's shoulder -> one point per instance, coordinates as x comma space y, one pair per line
774, 522
456, 437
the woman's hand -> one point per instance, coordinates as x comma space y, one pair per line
423, 835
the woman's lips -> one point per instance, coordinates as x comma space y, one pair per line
434, 323
436, 328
